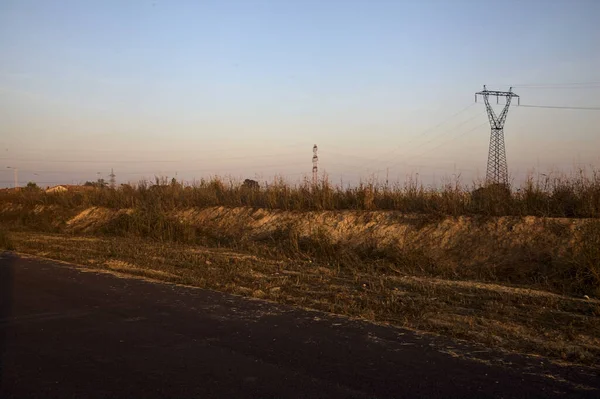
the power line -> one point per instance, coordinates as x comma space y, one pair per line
40, 182
215, 169
78, 161
439, 145
344, 155
556, 85
422, 133
559, 87
147, 161
170, 172
449, 141
559, 107
436, 137
432, 138
454, 127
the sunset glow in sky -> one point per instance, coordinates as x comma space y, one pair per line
245, 88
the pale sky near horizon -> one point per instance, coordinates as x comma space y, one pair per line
245, 88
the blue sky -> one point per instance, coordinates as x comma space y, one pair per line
245, 88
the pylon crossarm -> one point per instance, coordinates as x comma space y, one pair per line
496, 93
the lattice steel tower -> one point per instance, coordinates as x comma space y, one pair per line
497, 170
113, 181
315, 160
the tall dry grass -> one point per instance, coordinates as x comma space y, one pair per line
575, 196
152, 205
6, 243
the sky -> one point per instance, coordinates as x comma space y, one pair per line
245, 88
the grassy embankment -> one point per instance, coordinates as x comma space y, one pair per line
509, 270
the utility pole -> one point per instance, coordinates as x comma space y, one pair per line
315, 170
113, 181
497, 169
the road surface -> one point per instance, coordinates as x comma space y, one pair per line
68, 332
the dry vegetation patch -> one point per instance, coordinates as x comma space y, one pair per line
509, 269
511, 318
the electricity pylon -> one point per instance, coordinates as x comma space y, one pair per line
113, 181
315, 169
497, 169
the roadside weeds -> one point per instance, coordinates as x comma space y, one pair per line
507, 317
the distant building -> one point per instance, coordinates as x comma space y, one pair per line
73, 188
9, 190
57, 189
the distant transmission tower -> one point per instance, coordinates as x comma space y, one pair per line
315, 161
497, 170
113, 181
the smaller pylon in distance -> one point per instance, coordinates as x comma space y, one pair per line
315, 162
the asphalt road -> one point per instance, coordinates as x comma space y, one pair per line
65, 332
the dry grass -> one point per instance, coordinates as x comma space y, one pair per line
511, 318
486, 264
560, 255
6, 243
554, 195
